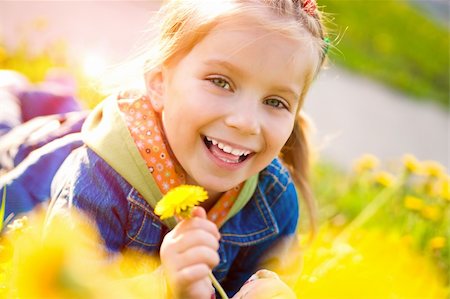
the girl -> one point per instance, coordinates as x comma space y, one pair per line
225, 84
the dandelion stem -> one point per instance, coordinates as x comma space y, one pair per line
218, 287
368, 212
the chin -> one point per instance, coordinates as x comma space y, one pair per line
218, 185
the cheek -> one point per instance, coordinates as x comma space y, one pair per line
280, 134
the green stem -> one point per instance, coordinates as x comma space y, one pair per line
367, 213
2, 208
218, 287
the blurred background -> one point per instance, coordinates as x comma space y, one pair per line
384, 91
380, 110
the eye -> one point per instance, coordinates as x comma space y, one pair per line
276, 103
221, 82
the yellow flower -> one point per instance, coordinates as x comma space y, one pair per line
366, 163
411, 164
384, 178
180, 201
443, 188
431, 212
413, 203
380, 265
433, 169
437, 243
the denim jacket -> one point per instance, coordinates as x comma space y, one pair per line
126, 220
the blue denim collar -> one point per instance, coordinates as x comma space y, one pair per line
253, 224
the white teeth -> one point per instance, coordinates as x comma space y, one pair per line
228, 149
211, 140
236, 152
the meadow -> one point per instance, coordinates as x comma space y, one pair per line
396, 42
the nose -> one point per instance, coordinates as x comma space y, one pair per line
244, 118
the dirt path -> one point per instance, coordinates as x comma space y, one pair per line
353, 115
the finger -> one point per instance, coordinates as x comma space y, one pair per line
192, 274
264, 273
197, 255
198, 212
197, 237
197, 223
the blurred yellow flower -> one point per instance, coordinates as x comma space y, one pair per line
410, 163
413, 203
65, 258
433, 169
443, 188
47, 261
379, 265
431, 212
366, 163
6, 250
40, 24
180, 201
437, 242
3, 54
384, 178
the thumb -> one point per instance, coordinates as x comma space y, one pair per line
198, 212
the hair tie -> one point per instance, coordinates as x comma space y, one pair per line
327, 41
309, 6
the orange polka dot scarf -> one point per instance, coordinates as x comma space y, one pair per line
145, 129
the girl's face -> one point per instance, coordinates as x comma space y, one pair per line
229, 105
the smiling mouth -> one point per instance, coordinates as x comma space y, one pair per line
225, 152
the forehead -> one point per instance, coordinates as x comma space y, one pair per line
255, 48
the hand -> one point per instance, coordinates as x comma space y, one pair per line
265, 284
188, 253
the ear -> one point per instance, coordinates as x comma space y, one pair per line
154, 82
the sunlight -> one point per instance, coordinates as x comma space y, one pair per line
94, 65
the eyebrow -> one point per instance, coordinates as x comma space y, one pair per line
225, 64
235, 69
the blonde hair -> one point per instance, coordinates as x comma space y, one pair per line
183, 23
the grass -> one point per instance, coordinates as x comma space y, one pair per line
394, 42
410, 199
374, 242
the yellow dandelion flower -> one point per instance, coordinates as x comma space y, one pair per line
366, 163
431, 212
437, 242
443, 188
384, 178
410, 163
180, 201
413, 203
433, 169
6, 250
381, 265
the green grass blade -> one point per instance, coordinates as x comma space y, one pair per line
2, 209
